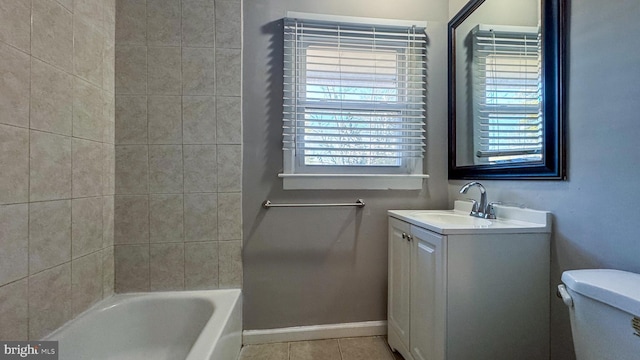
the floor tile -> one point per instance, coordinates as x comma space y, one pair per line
365, 348
277, 351
314, 350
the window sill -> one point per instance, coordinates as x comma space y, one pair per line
351, 181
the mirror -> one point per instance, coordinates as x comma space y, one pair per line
506, 91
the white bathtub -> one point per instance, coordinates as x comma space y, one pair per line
185, 325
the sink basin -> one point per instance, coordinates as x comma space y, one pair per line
458, 221
451, 218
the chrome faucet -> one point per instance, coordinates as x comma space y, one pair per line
481, 209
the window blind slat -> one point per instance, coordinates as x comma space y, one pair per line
353, 92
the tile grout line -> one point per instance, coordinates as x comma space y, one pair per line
29, 174
184, 246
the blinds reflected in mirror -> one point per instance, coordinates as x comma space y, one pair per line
507, 91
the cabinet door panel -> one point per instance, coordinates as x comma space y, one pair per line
399, 281
427, 296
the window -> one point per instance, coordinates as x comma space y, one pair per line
507, 93
354, 100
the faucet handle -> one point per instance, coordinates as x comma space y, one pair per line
491, 212
474, 207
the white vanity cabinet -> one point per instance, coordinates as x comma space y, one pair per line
470, 293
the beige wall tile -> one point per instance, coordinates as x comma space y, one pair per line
131, 219
49, 234
108, 207
131, 22
108, 117
201, 265
228, 24
52, 34
163, 22
88, 111
230, 168
131, 268
277, 351
131, 119
164, 70
165, 169
14, 242
14, 86
199, 119
132, 172
68, 4
108, 169
183, 136
229, 120
86, 282
131, 69
110, 15
88, 50
198, 23
200, 173
109, 66
365, 348
229, 216
14, 162
86, 226
319, 349
14, 311
165, 119
90, 11
230, 264
200, 217
166, 267
228, 72
15, 23
198, 71
87, 165
51, 98
166, 218
108, 272
49, 300
50, 166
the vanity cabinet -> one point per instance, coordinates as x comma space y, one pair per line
467, 296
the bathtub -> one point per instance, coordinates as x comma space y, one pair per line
186, 325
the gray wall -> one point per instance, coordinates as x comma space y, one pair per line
56, 161
594, 211
322, 266
178, 145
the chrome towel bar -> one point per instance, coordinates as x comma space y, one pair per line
268, 204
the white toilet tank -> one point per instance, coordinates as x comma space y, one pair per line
604, 306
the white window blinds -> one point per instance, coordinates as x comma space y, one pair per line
507, 91
354, 95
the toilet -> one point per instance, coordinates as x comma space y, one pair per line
604, 307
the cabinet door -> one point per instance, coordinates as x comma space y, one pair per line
399, 286
428, 291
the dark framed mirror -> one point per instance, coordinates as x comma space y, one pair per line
507, 91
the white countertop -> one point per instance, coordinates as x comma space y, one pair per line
512, 220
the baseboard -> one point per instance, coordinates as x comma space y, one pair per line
314, 332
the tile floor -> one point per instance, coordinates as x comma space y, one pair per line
361, 348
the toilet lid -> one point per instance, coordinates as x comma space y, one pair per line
620, 289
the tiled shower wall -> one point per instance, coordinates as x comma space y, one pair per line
178, 145
56, 161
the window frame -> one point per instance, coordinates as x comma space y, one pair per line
299, 175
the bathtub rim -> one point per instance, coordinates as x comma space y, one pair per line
226, 303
